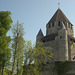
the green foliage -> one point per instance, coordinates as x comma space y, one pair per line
5, 52
28, 53
41, 67
17, 48
31, 70
28, 58
62, 67
2, 31
7, 72
42, 53
5, 21
37, 53
70, 43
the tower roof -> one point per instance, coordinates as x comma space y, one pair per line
40, 33
59, 16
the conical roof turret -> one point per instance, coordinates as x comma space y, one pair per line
59, 16
40, 33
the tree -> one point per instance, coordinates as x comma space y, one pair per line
42, 55
5, 22
17, 48
5, 52
7, 72
39, 54
28, 57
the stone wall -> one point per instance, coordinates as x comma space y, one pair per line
73, 52
59, 46
50, 69
51, 29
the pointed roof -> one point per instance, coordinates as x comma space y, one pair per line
59, 16
40, 33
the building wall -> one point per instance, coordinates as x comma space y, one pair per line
51, 29
38, 38
62, 44
61, 48
72, 52
51, 70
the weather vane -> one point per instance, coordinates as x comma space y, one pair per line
58, 5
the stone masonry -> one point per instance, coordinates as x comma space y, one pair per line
60, 37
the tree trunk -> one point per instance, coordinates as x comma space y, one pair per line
14, 56
23, 70
17, 66
13, 67
2, 70
14, 61
3, 67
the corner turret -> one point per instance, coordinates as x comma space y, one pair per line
62, 42
39, 35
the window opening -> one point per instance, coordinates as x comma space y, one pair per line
49, 26
60, 37
68, 25
43, 41
58, 23
53, 24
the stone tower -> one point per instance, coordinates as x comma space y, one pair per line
59, 35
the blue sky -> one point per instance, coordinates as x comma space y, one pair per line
35, 14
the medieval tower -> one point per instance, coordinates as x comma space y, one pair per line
60, 37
